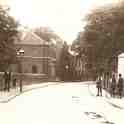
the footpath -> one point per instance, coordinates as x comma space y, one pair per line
115, 102
6, 96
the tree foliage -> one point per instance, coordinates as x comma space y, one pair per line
63, 69
76, 42
47, 34
8, 30
104, 30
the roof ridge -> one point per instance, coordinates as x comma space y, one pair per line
35, 35
28, 35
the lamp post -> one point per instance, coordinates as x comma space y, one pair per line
67, 67
66, 72
20, 53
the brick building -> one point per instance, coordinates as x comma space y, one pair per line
39, 59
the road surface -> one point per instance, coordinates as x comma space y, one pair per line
63, 103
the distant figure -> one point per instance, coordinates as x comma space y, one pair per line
5, 76
14, 83
113, 86
99, 86
9, 80
120, 85
107, 80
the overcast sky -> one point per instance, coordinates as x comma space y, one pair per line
63, 16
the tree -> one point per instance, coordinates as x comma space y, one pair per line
76, 42
63, 69
8, 32
104, 30
47, 34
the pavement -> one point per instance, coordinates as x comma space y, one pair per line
115, 102
6, 96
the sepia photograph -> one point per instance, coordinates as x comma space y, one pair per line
61, 61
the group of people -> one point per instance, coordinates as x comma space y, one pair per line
7, 78
115, 86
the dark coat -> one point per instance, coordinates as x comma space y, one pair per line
120, 83
99, 83
113, 85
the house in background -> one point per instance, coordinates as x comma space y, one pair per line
39, 59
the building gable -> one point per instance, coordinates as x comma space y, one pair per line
29, 38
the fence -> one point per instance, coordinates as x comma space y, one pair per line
14, 84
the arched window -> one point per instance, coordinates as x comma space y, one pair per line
34, 69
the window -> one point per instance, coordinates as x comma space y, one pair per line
89, 66
34, 69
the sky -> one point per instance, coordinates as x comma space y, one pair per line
63, 16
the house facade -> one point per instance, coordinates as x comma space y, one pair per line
38, 60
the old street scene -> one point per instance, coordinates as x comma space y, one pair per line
61, 62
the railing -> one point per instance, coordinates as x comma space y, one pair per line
11, 88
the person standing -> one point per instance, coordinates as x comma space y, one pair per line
99, 86
14, 82
107, 81
5, 80
8, 81
113, 86
120, 85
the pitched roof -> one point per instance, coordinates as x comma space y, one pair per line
29, 38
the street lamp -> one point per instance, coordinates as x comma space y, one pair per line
67, 67
20, 53
66, 72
